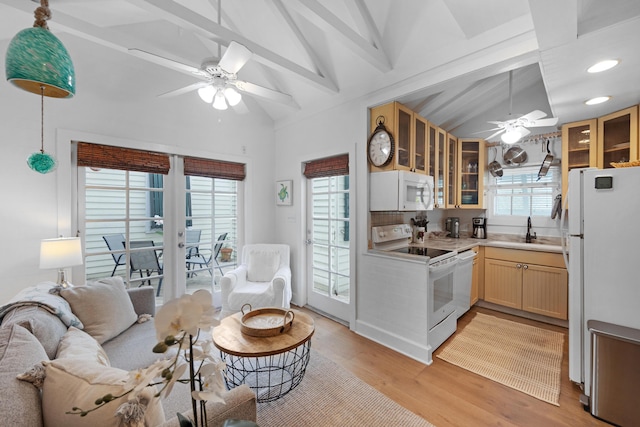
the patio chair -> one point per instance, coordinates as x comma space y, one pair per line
145, 261
115, 242
197, 258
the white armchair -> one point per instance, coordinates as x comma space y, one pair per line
263, 279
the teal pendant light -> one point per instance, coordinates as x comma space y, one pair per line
35, 58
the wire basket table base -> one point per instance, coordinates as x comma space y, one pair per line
271, 377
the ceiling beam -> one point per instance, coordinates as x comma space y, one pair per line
323, 18
311, 53
364, 21
555, 22
99, 35
186, 18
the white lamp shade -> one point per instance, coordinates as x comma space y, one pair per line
206, 93
232, 95
61, 252
511, 136
218, 101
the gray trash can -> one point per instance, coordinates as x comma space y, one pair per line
615, 375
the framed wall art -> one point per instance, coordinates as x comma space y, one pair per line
283, 193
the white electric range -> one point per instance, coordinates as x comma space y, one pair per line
441, 306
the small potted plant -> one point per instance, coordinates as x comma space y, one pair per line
225, 254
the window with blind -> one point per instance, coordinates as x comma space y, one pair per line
519, 192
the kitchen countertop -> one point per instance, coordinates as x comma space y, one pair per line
510, 241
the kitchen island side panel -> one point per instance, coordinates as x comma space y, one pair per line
392, 304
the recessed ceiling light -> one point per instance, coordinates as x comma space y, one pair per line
597, 100
603, 65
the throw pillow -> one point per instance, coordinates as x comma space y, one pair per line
19, 400
104, 307
71, 383
46, 327
79, 344
262, 265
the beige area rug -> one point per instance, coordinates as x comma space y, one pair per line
522, 357
329, 395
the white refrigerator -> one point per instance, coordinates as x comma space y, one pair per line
603, 239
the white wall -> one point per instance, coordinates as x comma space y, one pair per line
114, 101
337, 131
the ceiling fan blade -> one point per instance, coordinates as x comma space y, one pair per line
496, 123
182, 90
235, 57
165, 62
495, 134
532, 116
486, 130
552, 121
263, 92
523, 131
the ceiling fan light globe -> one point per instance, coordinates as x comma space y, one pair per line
232, 95
206, 94
511, 136
218, 101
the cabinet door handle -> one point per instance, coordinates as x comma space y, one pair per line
525, 266
518, 265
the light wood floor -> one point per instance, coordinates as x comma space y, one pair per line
444, 394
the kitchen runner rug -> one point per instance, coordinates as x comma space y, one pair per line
519, 356
329, 395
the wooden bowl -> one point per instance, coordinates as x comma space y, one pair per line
265, 322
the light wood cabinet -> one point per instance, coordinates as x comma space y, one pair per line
437, 163
579, 147
465, 173
600, 142
409, 131
618, 137
536, 282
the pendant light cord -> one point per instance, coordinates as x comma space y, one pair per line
42, 15
42, 119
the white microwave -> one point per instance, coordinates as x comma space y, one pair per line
400, 191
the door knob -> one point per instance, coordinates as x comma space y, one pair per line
181, 245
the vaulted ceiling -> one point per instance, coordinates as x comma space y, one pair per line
447, 59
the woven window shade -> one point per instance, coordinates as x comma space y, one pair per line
329, 166
109, 157
214, 168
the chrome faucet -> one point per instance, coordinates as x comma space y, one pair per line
529, 236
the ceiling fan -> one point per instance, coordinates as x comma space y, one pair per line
219, 79
514, 129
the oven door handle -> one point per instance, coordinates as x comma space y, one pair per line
443, 268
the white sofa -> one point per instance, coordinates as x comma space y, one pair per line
31, 334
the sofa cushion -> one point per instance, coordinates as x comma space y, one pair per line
132, 349
19, 400
79, 344
70, 383
262, 264
45, 326
104, 307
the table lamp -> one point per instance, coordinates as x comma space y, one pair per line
60, 253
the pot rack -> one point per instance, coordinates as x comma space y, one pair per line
534, 139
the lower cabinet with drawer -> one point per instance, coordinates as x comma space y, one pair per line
532, 281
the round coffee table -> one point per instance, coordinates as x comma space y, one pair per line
271, 366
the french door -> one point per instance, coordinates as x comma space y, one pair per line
328, 242
166, 230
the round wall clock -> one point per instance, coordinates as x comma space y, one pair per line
380, 147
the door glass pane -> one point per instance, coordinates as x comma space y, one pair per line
123, 231
211, 232
330, 237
